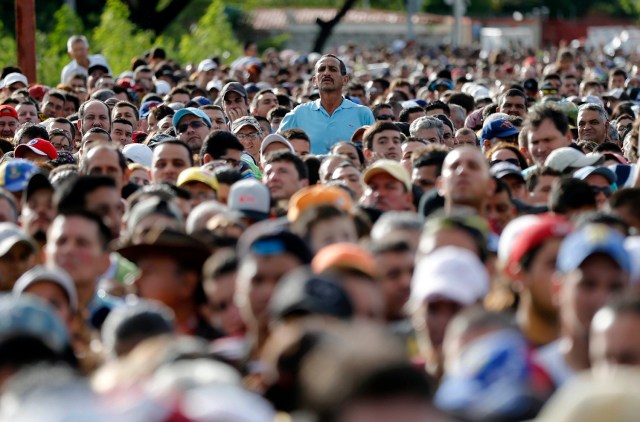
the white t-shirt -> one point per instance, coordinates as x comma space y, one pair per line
552, 361
74, 68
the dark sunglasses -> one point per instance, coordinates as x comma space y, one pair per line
195, 124
604, 189
513, 161
385, 117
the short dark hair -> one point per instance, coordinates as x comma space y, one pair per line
512, 93
376, 108
465, 101
431, 156
67, 122
343, 67
54, 93
627, 197
175, 141
227, 175
122, 121
295, 133
285, 155
542, 112
437, 104
404, 114
377, 127
127, 104
104, 233
278, 111
31, 131
72, 195
569, 194
218, 142
534, 176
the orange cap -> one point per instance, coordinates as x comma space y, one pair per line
345, 256
318, 195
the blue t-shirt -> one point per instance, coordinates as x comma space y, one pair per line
324, 130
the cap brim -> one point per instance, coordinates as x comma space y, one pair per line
253, 215
21, 149
10, 242
368, 174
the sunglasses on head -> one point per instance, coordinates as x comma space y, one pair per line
604, 189
513, 161
385, 117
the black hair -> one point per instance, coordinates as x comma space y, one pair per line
437, 104
175, 141
103, 231
404, 114
569, 194
218, 142
285, 155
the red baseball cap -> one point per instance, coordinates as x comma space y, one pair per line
547, 226
8, 111
39, 146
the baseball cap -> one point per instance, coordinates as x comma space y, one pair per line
357, 135
301, 292
564, 158
589, 240
624, 174
587, 171
138, 153
315, 195
39, 146
498, 128
201, 101
537, 232
14, 77
151, 206
193, 111
15, 174
510, 234
234, 87
273, 139
617, 94
8, 111
197, 174
504, 168
274, 243
37, 92
207, 65
98, 63
452, 273
250, 198
390, 167
58, 276
11, 235
145, 108
530, 85
29, 315
214, 84
345, 256
245, 121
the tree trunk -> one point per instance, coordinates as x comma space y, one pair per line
326, 27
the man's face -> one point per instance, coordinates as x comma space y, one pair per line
361, 95
514, 106
7, 212
53, 107
407, 151
328, 77
66, 127
200, 192
466, 139
537, 279
27, 113
500, 210
438, 314
447, 137
385, 114
425, 177
601, 187
14, 263
234, 101
38, 213
386, 193
282, 179
79, 50
583, 291
121, 133
105, 202
540, 194
615, 340
465, 178
257, 278
264, 103
333, 230
386, 144
225, 313
96, 114
592, 127
8, 126
55, 296
300, 146
167, 162
161, 279
544, 139
180, 98
569, 87
397, 270
127, 113
430, 135
617, 81
218, 121
73, 244
105, 162
192, 130
145, 80
250, 139
351, 177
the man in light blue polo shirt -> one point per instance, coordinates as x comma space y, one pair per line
332, 118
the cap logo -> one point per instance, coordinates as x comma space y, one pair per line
32, 142
506, 124
597, 233
247, 199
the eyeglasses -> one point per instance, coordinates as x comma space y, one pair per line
194, 124
385, 117
513, 161
247, 135
61, 147
604, 189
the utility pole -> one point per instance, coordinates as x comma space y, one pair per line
26, 37
413, 7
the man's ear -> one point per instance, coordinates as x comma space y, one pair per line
440, 186
345, 79
207, 158
314, 81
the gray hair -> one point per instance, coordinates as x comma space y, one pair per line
426, 122
74, 39
396, 220
593, 107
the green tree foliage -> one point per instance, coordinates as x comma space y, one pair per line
8, 53
52, 47
117, 38
210, 36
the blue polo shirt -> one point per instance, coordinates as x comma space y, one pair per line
324, 130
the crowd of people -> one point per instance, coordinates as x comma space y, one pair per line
404, 234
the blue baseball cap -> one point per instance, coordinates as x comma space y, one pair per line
201, 101
499, 128
592, 239
193, 111
145, 108
15, 174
